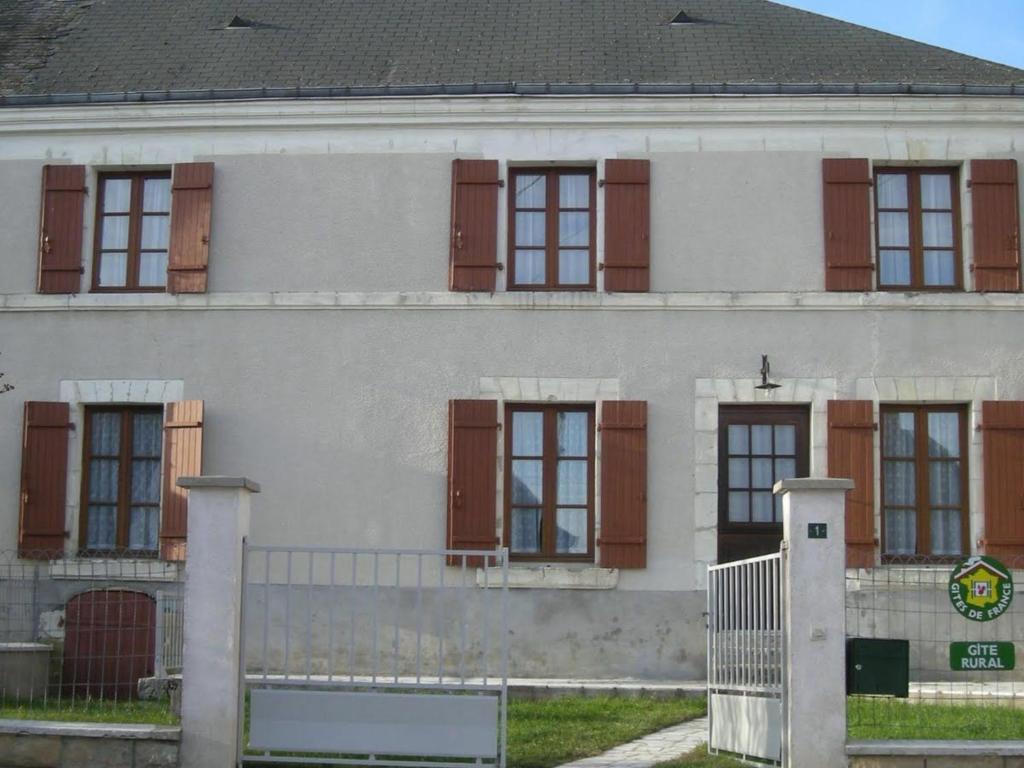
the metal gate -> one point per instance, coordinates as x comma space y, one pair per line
745, 657
378, 657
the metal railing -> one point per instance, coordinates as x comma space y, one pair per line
87, 632
908, 599
745, 625
342, 631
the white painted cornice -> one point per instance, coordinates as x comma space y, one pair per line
515, 301
650, 111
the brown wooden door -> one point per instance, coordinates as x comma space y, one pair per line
109, 643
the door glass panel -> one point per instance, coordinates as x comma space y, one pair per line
739, 507
762, 510
103, 479
894, 267
784, 469
898, 433
573, 229
113, 269
105, 433
761, 439
785, 439
142, 528
155, 232
101, 528
761, 473
572, 481
156, 196
893, 229
944, 483
738, 439
525, 530
939, 268
152, 269
739, 473
529, 268
115, 233
944, 434
573, 191
900, 479
946, 532
900, 531
937, 229
117, 195
574, 267
529, 228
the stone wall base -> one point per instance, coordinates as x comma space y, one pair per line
936, 754
39, 744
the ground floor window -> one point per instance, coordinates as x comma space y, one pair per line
549, 482
758, 445
924, 478
121, 486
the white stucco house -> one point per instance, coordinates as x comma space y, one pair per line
471, 274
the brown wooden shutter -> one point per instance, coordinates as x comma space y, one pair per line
472, 473
191, 211
183, 457
623, 539
851, 454
848, 265
996, 212
44, 475
627, 225
60, 229
1003, 452
474, 246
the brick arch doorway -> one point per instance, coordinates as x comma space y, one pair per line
109, 643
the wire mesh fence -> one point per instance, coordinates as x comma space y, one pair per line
932, 650
96, 633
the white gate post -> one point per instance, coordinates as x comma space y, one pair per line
218, 520
814, 622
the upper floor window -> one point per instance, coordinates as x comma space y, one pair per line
924, 477
133, 217
551, 229
550, 482
916, 220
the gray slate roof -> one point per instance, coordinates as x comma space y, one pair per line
159, 49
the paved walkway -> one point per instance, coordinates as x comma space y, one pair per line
653, 748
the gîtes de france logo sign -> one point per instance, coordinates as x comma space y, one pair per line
981, 588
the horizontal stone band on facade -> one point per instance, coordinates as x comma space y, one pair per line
421, 300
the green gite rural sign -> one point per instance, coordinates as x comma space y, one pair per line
981, 588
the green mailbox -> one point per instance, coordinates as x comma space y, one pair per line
878, 666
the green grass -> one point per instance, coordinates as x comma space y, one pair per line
549, 732
700, 758
886, 718
91, 711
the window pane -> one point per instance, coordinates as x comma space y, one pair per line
572, 482
527, 433
574, 229
146, 481
939, 268
893, 229
778, 508
530, 191
937, 229
156, 195
784, 469
738, 439
101, 528
529, 268
527, 485
117, 195
572, 433
739, 473
573, 191
573, 267
113, 269
155, 231
105, 433
152, 269
529, 228
944, 434
945, 530
900, 479
785, 439
761, 473
894, 267
762, 509
898, 433
739, 507
103, 479
142, 528
571, 537
935, 191
900, 531
944, 483
892, 190
761, 438
115, 233
525, 530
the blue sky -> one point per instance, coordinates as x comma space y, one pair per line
989, 29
